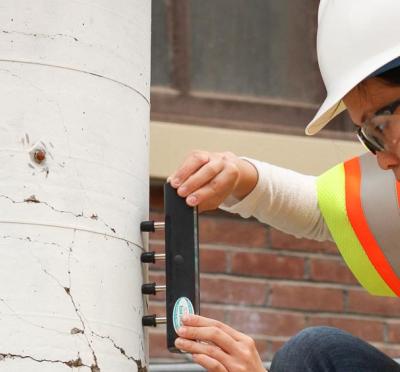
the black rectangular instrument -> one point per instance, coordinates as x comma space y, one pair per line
181, 261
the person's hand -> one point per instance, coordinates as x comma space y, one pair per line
206, 179
218, 347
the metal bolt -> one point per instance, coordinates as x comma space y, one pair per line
39, 155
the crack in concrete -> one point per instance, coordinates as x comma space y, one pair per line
73, 363
33, 199
44, 36
70, 363
94, 367
37, 325
30, 240
138, 362
14, 312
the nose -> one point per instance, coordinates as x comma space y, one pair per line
387, 160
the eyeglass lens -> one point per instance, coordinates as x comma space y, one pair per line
382, 133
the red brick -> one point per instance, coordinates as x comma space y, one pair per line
268, 265
362, 302
276, 345
286, 241
331, 270
369, 330
261, 322
158, 346
213, 260
306, 297
262, 347
233, 232
156, 307
156, 197
157, 276
212, 312
226, 290
393, 331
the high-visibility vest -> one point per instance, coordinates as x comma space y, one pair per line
360, 204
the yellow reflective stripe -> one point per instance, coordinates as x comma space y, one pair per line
332, 203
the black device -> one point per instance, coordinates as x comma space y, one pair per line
181, 263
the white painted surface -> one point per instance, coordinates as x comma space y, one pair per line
74, 80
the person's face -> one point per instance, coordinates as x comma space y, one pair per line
363, 101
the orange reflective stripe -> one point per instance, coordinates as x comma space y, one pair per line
360, 225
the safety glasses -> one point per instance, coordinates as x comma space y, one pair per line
381, 132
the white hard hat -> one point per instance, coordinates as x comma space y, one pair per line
355, 39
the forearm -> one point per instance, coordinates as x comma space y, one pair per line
283, 199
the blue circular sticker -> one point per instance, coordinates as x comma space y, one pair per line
183, 306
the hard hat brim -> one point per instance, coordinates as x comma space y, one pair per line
329, 109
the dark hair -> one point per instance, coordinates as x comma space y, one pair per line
391, 77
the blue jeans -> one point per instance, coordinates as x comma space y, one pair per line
326, 349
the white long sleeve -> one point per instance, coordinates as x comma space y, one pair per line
284, 199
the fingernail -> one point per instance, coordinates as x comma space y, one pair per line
182, 330
176, 182
192, 200
169, 180
182, 190
185, 318
178, 342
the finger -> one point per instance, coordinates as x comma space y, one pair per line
210, 364
214, 334
195, 347
203, 175
211, 195
192, 163
201, 321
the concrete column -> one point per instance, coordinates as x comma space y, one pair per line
74, 115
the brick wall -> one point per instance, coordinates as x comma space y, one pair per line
270, 285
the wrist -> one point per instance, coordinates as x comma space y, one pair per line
248, 178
